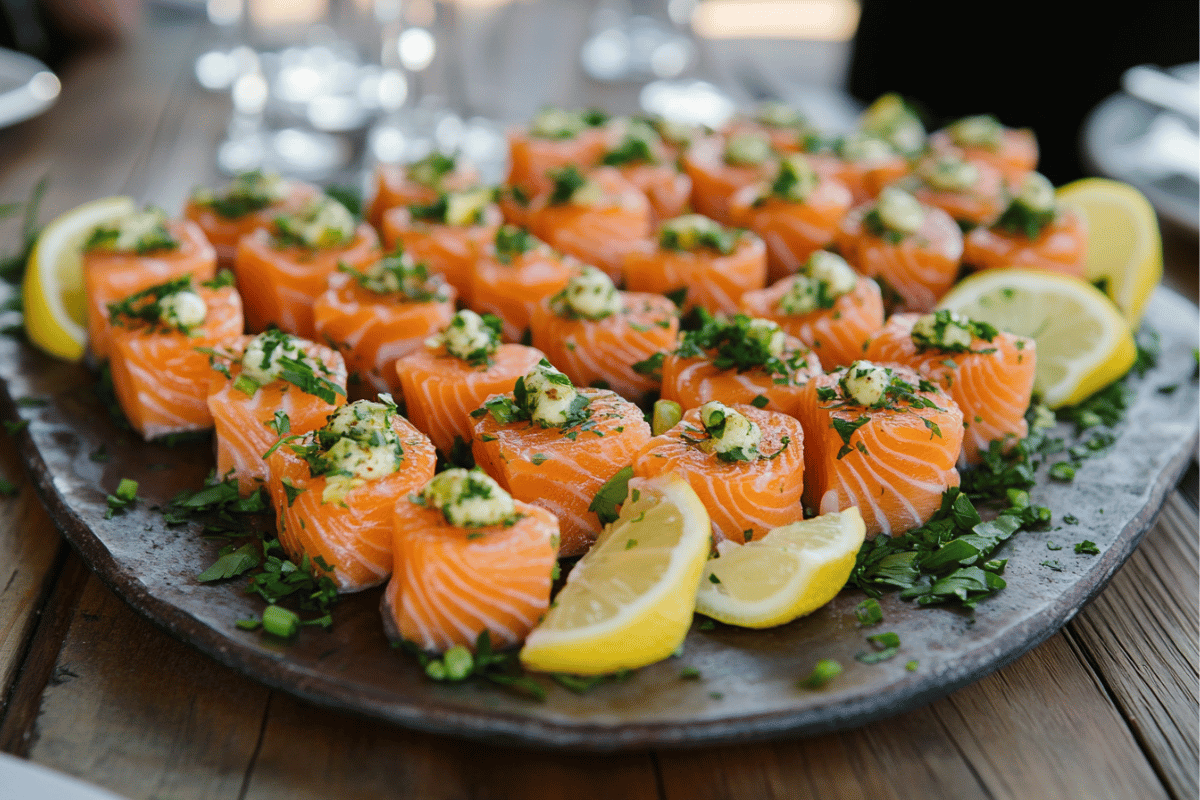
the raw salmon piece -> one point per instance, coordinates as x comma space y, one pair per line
279, 282
914, 270
745, 499
554, 139
562, 468
448, 247
991, 379
785, 127
865, 165
418, 183
972, 192
441, 390
252, 201
374, 317
1013, 151
513, 274
720, 362
597, 218
112, 275
712, 274
606, 352
248, 424
667, 188
715, 179
892, 462
160, 377
836, 334
638, 152
344, 522
1060, 247
793, 225
450, 584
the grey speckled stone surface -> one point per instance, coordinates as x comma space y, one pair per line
747, 688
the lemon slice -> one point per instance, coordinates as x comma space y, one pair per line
53, 293
1083, 342
628, 602
790, 572
1124, 243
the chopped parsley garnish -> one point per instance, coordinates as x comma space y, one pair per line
886, 646
868, 612
935, 337
873, 224
123, 498
512, 242
637, 147
396, 274
459, 663
248, 192
567, 181
946, 560
1087, 548
519, 407
146, 307
1019, 219
607, 503
738, 343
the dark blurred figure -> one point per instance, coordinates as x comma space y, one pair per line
1038, 65
49, 29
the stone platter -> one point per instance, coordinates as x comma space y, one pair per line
748, 685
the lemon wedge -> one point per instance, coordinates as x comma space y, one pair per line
628, 602
1083, 342
1124, 243
53, 292
790, 572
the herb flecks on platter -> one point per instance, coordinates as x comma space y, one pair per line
256, 553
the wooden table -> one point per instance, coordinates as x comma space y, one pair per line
1106, 708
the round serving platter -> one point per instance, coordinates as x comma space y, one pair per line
748, 680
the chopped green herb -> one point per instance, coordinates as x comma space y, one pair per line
886, 646
760, 401
823, 672
281, 622
12, 428
7, 488
689, 674
233, 562
1054, 565
1087, 547
869, 612
607, 502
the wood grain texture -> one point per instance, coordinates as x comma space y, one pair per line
1140, 635
141, 714
1042, 722
30, 548
308, 753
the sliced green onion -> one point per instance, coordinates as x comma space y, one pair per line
279, 621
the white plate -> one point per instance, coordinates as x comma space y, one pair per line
22, 780
27, 87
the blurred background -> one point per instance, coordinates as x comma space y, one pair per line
326, 88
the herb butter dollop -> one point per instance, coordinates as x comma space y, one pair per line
468, 498
732, 435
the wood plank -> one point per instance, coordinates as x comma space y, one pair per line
1042, 721
1141, 636
39, 665
139, 713
30, 551
904, 757
308, 753
1045, 721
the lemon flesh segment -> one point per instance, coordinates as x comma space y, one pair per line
1083, 342
1124, 242
628, 602
53, 288
790, 572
